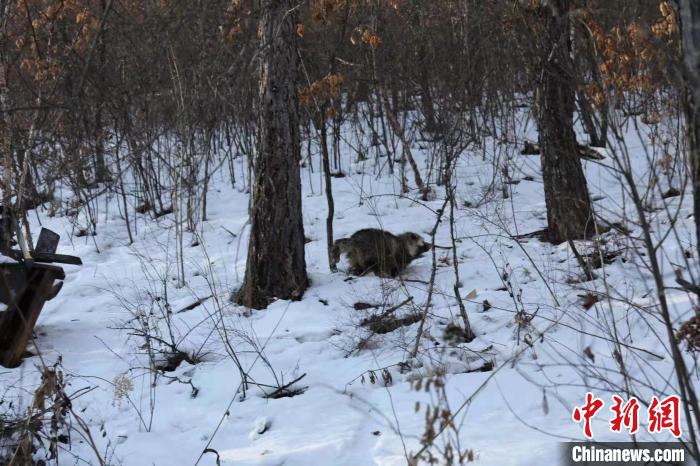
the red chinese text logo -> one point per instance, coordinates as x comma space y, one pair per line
662, 414
587, 412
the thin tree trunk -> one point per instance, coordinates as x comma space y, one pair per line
205, 186
123, 190
325, 157
398, 130
276, 267
6, 228
569, 214
597, 136
689, 11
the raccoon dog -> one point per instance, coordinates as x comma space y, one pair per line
378, 251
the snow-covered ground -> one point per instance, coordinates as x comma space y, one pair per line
348, 413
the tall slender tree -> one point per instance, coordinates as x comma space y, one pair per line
569, 214
276, 266
6, 159
689, 12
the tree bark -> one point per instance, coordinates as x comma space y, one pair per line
689, 12
325, 159
587, 112
569, 214
276, 266
7, 213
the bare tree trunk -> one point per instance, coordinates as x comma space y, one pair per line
569, 214
276, 266
7, 213
593, 117
101, 172
398, 130
586, 111
325, 158
689, 11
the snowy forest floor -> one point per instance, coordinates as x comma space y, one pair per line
539, 347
